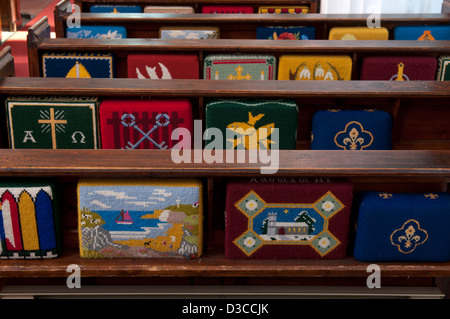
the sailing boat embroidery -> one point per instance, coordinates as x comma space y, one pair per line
78, 71
124, 218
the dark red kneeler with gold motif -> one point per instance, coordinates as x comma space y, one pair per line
287, 218
163, 66
143, 124
399, 68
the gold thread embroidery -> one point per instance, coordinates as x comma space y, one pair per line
353, 139
408, 239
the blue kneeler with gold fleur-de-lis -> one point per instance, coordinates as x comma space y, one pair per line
351, 130
403, 227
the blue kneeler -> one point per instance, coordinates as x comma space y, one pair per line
422, 32
403, 227
351, 130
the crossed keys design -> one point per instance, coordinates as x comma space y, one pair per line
129, 120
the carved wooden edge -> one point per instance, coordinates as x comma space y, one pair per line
7, 68
61, 13
36, 33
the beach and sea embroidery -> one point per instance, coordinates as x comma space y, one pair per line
139, 221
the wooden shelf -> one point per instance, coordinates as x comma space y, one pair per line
224, 88
144, 163
213, 265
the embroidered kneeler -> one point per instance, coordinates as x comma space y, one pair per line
287, 218
283, 9
163, 66
351, 130
422, 33
143, 124
140, 218
96, 32
443, 73
239, 67
53, 122
403, 227
227, 9
358, 33
250, 124
169, 9
398, 68
29, 225
192, 32
315, 68
285, 33
78, 65
109, 8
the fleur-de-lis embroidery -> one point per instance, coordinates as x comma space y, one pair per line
409, 236
353, 137
431, 196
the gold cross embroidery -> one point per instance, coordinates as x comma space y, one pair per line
431, 196
385, 195
239, 75
52, 121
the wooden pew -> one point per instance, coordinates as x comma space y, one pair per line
39, 42
7, 63
198, 4
407, 170
238, 26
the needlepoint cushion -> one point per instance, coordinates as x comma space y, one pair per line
444, 68
29, 227
283, 9
78, 65
403, 227
285, 33
358, 33
97, 32
240, 67
143, 124
52, 122
351, 130
287, 218
163, 66
168, 9
399, 68
314, 67
109, 8
140, 218
189, 32
227, 9
422, 33
250, 124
